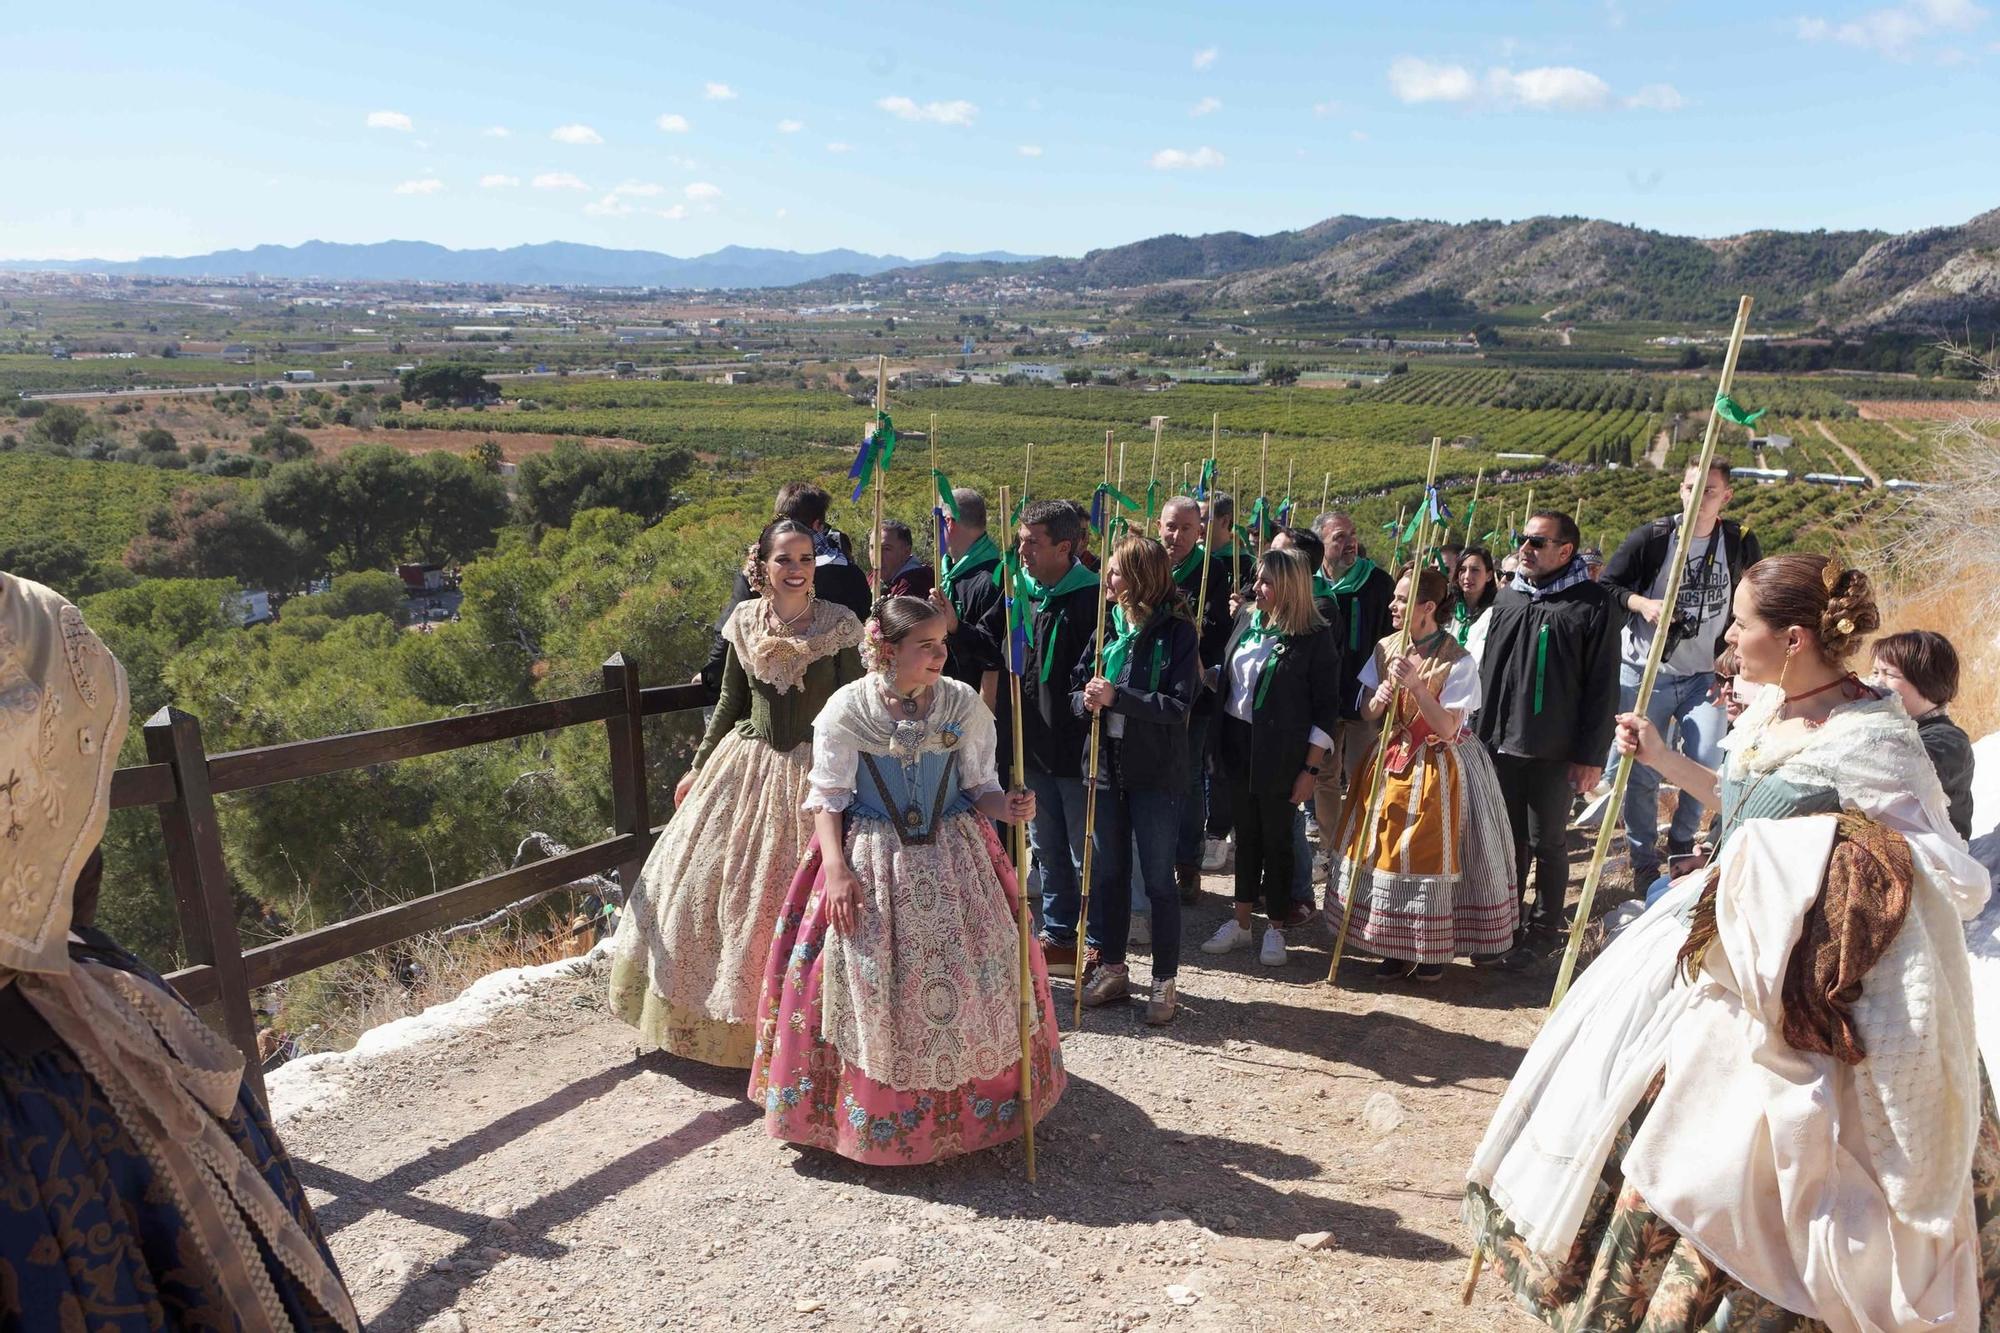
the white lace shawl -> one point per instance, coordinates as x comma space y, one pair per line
780, 660
855, 720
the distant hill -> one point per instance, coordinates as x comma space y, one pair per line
1566, 267
556, 263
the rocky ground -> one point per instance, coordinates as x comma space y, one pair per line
1286, 1155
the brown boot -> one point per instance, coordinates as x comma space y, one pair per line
1188, 879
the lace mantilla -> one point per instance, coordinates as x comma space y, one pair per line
780, 660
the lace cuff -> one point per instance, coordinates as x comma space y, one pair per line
831, 800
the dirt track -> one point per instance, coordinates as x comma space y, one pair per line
531, 1173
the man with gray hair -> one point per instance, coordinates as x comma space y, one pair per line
973, 601
1180, 533
1362, 591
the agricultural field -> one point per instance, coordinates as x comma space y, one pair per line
100, 506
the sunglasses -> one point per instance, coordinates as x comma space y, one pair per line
1539, 542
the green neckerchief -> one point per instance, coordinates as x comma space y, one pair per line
1323, 587
1461, 621
978, 553
1119, 647
1258, 631
1189, 564
1080, 576
1347, 585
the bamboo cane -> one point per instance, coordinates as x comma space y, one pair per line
1325, 488
1263, 489
1371, 811
875, 536
1109, 512
1471, 537
1090, 780
1025, 924
1669, 595
1577, 517
1185, 490
1290, 464
1027, 470
941, 552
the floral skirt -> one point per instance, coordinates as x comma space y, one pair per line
813, 1095
687, 962
90, 1237
1438, 878
1631, 1272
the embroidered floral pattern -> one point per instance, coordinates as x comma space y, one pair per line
780, 659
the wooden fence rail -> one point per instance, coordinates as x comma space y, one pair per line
182, 781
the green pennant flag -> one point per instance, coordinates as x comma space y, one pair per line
1152, 500
946, 501
1410, 529
1729, 410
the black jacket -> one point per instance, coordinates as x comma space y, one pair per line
978, 645
1363, 622
1578, 686
1223, 579
1950, 750
1643, 554
1052, 735
841, 583
1305, 672
1155, 691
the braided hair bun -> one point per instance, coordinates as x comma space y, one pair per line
1850, 615
1819, 594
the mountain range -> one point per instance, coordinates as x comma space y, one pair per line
1566, 268
553, 263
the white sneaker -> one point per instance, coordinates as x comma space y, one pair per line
1215, 855
1227, 937
1142, 930
1273, 952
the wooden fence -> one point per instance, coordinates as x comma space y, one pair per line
182, 782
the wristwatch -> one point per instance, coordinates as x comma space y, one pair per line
1313, 769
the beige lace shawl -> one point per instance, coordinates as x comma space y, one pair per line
780, 660
171, 1081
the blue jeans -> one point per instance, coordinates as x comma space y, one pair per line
1193, 816
1701, 727
1055, 838
1146, 820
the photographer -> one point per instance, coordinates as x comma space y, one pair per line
1717, 554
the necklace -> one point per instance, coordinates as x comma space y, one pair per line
791, 621
909, 730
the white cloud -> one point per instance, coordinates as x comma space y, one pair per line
958, 112
1359, 136
1029, 150
682, 162
428, 185
1657, 97
702, 192
1206, 106
640, 189
1178, 159
611, 205
1413, 80
838, 147
496, 132
782, 214
1326, 108
390, 120
557, 180
673, 213
1205, 57
718, 92
1549, 88
1893, 29
575, 134
673, 124
498, 181
790, 126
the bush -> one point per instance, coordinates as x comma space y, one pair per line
157, 440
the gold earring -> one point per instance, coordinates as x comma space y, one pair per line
1784, 671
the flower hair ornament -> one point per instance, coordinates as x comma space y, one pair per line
874, 648
1829, 579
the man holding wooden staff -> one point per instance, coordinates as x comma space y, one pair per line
1549, 682
1180, 533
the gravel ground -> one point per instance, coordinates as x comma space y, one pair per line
535, 1172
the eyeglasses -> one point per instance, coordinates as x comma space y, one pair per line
1538, 542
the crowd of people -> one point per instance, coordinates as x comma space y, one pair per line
1764, 1106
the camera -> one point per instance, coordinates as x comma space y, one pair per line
1685, 625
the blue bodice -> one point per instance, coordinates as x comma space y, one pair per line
914, 797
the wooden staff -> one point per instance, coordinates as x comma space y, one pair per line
875, 536
1096, 734
1185, 489
1577, 517
1471, 510
1109, 503
938, 503
1371, 811
1027, 470
1615, 807
1025, 924
1325, 487
1263, 490
1290, 464
1153, 472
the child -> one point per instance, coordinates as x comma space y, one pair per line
1921, 667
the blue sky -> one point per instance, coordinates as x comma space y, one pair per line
1036, 127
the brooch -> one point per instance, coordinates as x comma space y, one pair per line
948, 735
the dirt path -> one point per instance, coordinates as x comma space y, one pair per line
1899, 432
1656, 453
1852, 457
532, 1173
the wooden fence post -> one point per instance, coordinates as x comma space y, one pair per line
202, 895
627, 733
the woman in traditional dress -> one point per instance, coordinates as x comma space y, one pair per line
1763, 1107
688, 959
1144, 690
144, 1187
890, 1029
1430, 859
1475, 588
